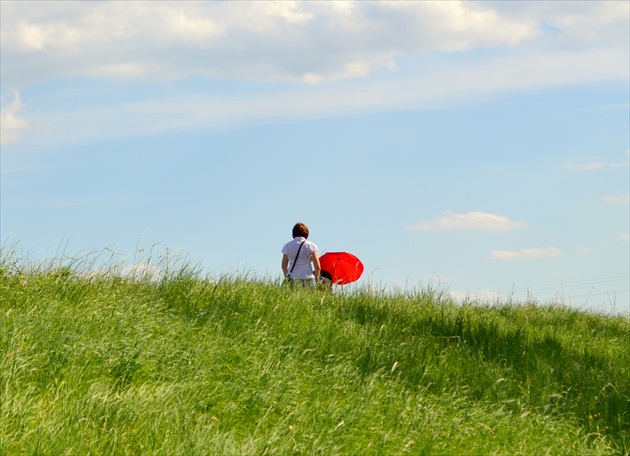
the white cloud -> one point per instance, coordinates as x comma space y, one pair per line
587, 165
12, 123
326, 50
166, 112
543, 252
574, 24
616, 199
584, 250
624, 237
435, 278
595, 164
295, 41
469, 220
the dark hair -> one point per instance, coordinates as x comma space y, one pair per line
300, 229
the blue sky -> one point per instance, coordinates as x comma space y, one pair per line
476, 147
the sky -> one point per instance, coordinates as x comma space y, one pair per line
478, 148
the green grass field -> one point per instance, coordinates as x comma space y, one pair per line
188, 365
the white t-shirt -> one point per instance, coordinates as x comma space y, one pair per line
303, 268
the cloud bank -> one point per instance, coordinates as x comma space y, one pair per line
616, 199
12, 122
295, 41
595, 164
294, 59
468, 221
543, 252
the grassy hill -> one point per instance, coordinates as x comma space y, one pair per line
188, 366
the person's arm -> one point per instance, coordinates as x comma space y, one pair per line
316, 266
285, 264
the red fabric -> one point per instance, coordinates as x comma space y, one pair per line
342, 266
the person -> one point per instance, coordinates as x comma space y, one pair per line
300, 261
325, 280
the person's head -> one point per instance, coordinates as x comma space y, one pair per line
300, 230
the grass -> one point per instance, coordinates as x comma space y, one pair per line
188, 365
